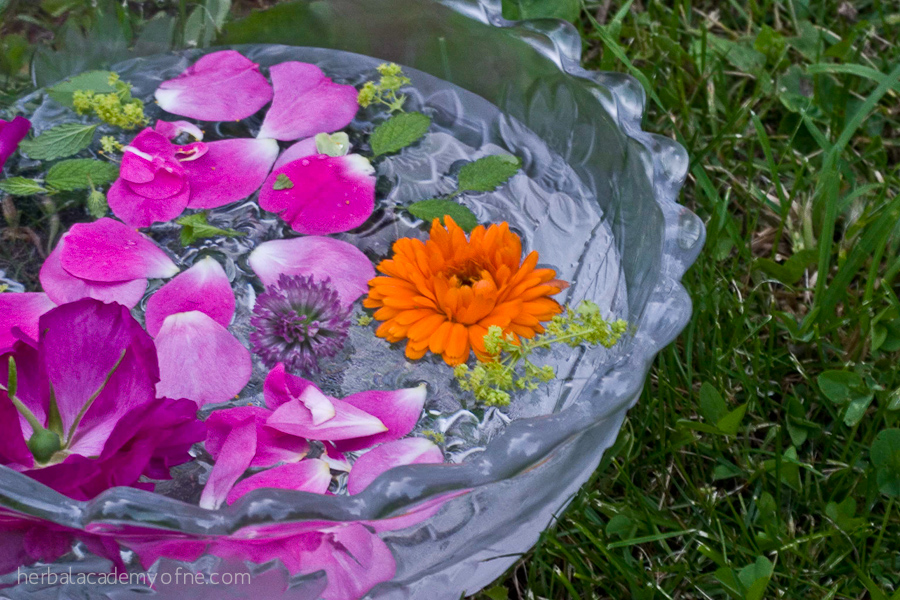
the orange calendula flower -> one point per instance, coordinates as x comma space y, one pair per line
443, 294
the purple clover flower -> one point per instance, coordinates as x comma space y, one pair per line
299, 321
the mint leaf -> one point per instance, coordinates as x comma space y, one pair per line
488, 173
80, 174
398, 132
196, 226
19, 186
282, 182
94, 81
428, 210
60, 141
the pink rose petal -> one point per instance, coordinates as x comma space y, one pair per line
204, 287
329, 194
63, 287
355, 560
385, 457
21, 311
229, 171
302, 149
280, 387
296, 418
311, 475
200, 360
272, 446
221, 86
140, 211
107, 250
172, 129
306, 102
233, 460
399, 410
320, 257
11, 133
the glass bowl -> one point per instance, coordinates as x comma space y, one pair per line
493, 505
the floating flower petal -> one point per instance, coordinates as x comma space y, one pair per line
200, 360
11, 133
444, 293
272, 447
306, 102
21, 312
302, 149
62, 287
311, 475
172, 129
320, 257
229, 171
399, 410
110, 251
329, 194
411, 451
152, 185
221, 86
204, 287
234, 459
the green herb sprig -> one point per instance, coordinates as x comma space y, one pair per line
509, 367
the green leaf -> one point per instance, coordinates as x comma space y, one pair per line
885, 455
96, 81
791, 270
756, 577
59, 142
428, 210
80, 174
712, 405
498, 592
488, 173
838, 385
619, 525
282, 182
731, 422
196, 226
20, 186
398, 132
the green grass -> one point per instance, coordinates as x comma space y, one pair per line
746, 470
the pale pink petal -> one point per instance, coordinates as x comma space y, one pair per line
306, 102
172, 129
329, 194
302, 149
354, 559
139, 210
311, 475
229, 171
385, 457
232, 461
21, 311
62, 287
336, 460
107, 250
221, 86
204, 287
399, 410
296, 418
200, 360
320, 257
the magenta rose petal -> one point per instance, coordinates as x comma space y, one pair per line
306, 102
385, 457
200, 360
272, 446
221, 86
62, 287
355, 560
311, 475
229, 171
107, 250
11, 133
172, 129
330, 194
302, 149
399, 410
320, 257
21, 311
233, 460
303, 417
280, 387
13, 450
136, 210
78, 366
204, 287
